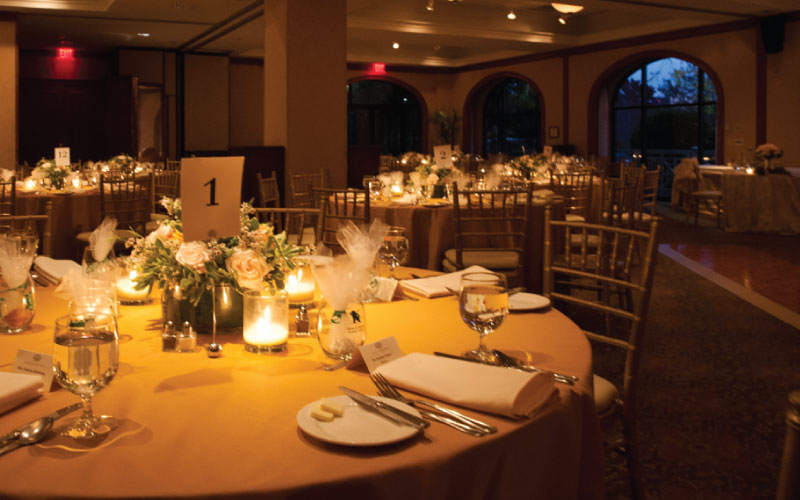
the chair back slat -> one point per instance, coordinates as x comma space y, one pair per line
8, 196
268, 193
294, 221
128, 199
302, 186
42, 225
337, 206
576, 190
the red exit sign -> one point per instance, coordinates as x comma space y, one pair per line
66, 53
378, 68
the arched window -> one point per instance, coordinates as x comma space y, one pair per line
665, 110
511, 119
381, 113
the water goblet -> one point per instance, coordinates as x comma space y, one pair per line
483, 303
85, 359
394, 250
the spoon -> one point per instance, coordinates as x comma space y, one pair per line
29, 434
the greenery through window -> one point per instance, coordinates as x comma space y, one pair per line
380, 113
665, 110
511, 119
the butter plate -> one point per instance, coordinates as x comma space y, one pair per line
527, 302
357, 426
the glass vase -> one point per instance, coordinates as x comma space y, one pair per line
17, 306
341, 331
177, 308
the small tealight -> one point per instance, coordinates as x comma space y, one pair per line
331, 407
320, 414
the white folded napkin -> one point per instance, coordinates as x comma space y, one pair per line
406, 199
18, 388
437, 286
55, 269
491, 389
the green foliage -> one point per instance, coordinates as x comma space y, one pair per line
446, 123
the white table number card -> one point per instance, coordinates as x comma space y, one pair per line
61, 156
443, 155
211, 194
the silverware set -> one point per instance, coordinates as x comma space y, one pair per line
506, 361
33, 432
434, 411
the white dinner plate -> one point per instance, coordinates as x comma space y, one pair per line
527, 302
357, 426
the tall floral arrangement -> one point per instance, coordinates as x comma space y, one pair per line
47, 169
255, 259
124, 163
434, 174
529, 165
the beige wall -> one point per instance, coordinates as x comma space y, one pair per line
206, 98
247, 104
8, 94
783, 97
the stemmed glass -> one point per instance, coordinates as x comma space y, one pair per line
483, 303
394, 250
85, 359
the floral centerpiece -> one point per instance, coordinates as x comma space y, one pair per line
125, 164
412, 159
47, 170
531, 165
766, 153
256, 259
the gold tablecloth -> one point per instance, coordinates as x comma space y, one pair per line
761, 203
191, 426
431, 231
73, 213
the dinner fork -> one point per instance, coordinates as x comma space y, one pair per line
390, 391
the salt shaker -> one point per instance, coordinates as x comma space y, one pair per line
169, 337
187, 339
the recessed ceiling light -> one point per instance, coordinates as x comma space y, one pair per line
511, 15
143, 35
429, 6
562, 19
566, 8
395, 45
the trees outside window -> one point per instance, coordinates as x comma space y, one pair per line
511, 119
665, 110
381, 113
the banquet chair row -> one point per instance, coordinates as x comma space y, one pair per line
490, 231
303, 185
336, 207
609, 265
8, 196
41, 224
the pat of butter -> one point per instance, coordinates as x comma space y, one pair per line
331, 407
320, 414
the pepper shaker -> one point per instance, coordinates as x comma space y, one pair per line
169, 337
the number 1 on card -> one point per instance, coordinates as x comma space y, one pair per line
212, 184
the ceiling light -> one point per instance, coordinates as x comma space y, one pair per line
429, 7
143, 35
566, 8
511, 15
437, 47
562, 19
395, 45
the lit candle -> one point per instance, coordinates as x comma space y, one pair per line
300, 285
265, 332
748, 170
76, 182
30, 184
397, 190
126, 291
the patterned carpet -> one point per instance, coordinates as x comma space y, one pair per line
716, 374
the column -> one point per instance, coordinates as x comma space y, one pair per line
305, 106
9, 76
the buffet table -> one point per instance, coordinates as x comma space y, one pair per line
73, 213
761, 203
191, 426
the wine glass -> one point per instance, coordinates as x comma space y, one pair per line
85, 359
483, 303
394, 250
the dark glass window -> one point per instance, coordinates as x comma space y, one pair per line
383, 114
672, 116
511, 119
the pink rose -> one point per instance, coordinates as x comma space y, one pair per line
249, 267
193, 255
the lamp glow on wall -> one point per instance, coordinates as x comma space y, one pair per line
565, 10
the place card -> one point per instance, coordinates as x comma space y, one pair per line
379, 353
61, 156
35, 362
211, 196
443, 155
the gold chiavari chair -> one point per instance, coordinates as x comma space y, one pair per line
576, 190
611, 266
337, 206
302, 186
8, 196
172, 165
301, 224
43, 223
490, 231
789, 479
269, 196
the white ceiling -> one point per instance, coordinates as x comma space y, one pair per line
454, 34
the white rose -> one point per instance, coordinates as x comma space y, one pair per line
193, 255
163, 232
249, 268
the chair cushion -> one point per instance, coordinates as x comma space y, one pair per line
489, 260
576, 239
307, 238
605, 393
575, 218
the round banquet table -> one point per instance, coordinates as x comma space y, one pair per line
73, 213
191, 426
431, 231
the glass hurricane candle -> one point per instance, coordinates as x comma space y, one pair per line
127, 294
266, 321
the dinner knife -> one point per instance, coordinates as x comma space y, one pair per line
395, 414
559, 377
55, 416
